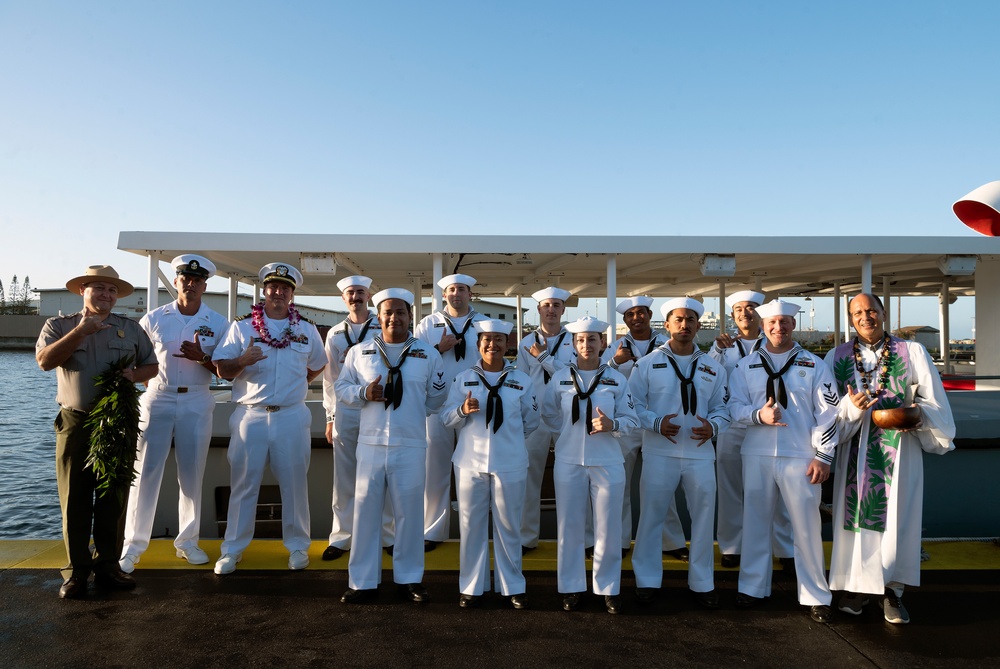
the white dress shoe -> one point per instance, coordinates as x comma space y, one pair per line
227, 564
193, 555
128, 563
298, 560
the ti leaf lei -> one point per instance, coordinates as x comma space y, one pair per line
114, 430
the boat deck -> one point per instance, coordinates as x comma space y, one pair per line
265, 615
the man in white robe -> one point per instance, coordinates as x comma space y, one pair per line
879, 478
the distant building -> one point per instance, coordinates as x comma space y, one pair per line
497, 310
926, 335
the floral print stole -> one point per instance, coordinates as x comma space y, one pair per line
866, 495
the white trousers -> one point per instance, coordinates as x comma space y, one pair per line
441, 442
345, 467
479, 494
766, 479
186, 420
280, 439
658, 484
673, 530
729, 471
399, 473
537, 444
578, 487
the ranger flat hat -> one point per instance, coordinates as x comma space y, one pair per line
392, 294
551, 293
446, 281
356, 280
682, 303
633, 302
745, 296
493, 325
194, 265
104, 273
279, 271
586, 324
778, 307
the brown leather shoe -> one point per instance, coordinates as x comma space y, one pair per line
73, 588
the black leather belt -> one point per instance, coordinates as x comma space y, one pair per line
182, 390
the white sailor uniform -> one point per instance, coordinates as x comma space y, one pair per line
440, 439
491, 465
556, 356
178, 407
689, 386
271, 426
775, 460
729, 471
673, 530
588, 472
339, 340
392, 445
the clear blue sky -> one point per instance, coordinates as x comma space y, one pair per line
504, 117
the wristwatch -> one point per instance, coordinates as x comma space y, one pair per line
205, 359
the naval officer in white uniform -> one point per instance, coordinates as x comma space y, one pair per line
451, 333
177, 406
588, 405
680, 397
729, 350
623, 355
492, 406
787, 399
397, 381
271, 356
342, 421
540, 355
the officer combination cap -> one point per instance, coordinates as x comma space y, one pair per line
193, 265
356, 280
745, 296
586, 324
633, 302
778, 307
393, 294
551, 293
105, 273
465, 279
279, 271
493, 325
682, 303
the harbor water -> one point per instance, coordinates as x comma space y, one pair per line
29, 502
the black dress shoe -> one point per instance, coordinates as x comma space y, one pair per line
730, 561
73, 588
430, 545
787, 565
468, 601
645, 595
821, 614
571, 601
744, 601
416, 592
388, 550
114, 578
589, 552
332, 553
519, 602
353, 596
681, 553
613, 604
706, 600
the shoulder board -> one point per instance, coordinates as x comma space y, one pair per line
805, 363
243, 317
307, 320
